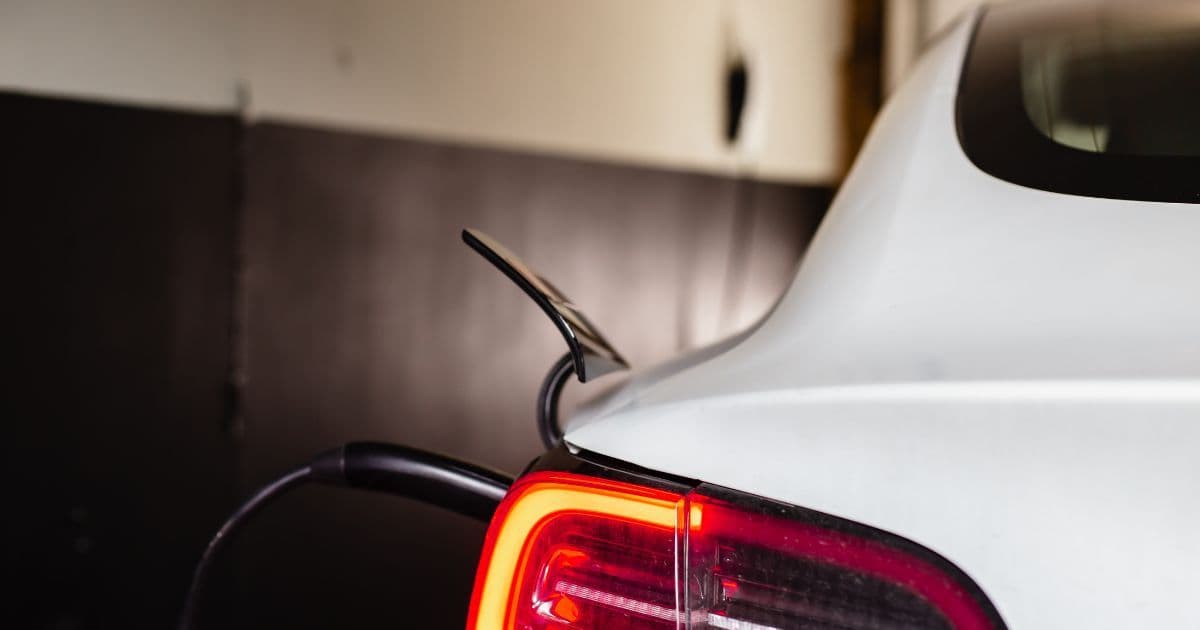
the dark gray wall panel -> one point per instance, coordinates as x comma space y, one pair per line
120, 252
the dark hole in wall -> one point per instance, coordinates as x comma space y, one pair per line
359, 315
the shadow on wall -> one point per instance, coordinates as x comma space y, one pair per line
357, 314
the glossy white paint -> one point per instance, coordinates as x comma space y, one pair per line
1008, 376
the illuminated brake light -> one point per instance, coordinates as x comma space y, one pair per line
567, 551
547, 515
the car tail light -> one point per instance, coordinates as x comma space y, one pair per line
569, 551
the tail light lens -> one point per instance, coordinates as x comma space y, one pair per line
570, 551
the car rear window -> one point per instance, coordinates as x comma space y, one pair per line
1090, 99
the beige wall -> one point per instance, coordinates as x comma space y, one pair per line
177, 54
624, 80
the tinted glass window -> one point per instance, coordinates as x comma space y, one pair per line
1096, 99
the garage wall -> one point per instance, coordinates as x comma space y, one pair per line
202, 304
622, 80
237, 229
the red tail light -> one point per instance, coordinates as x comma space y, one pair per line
568, 551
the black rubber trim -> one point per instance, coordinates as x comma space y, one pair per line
569, 459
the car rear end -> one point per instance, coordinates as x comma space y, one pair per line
978, 405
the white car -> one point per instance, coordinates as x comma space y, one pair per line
977, 405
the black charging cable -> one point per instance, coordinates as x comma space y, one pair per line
448, 483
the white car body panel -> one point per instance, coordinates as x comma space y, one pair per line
1008, 376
